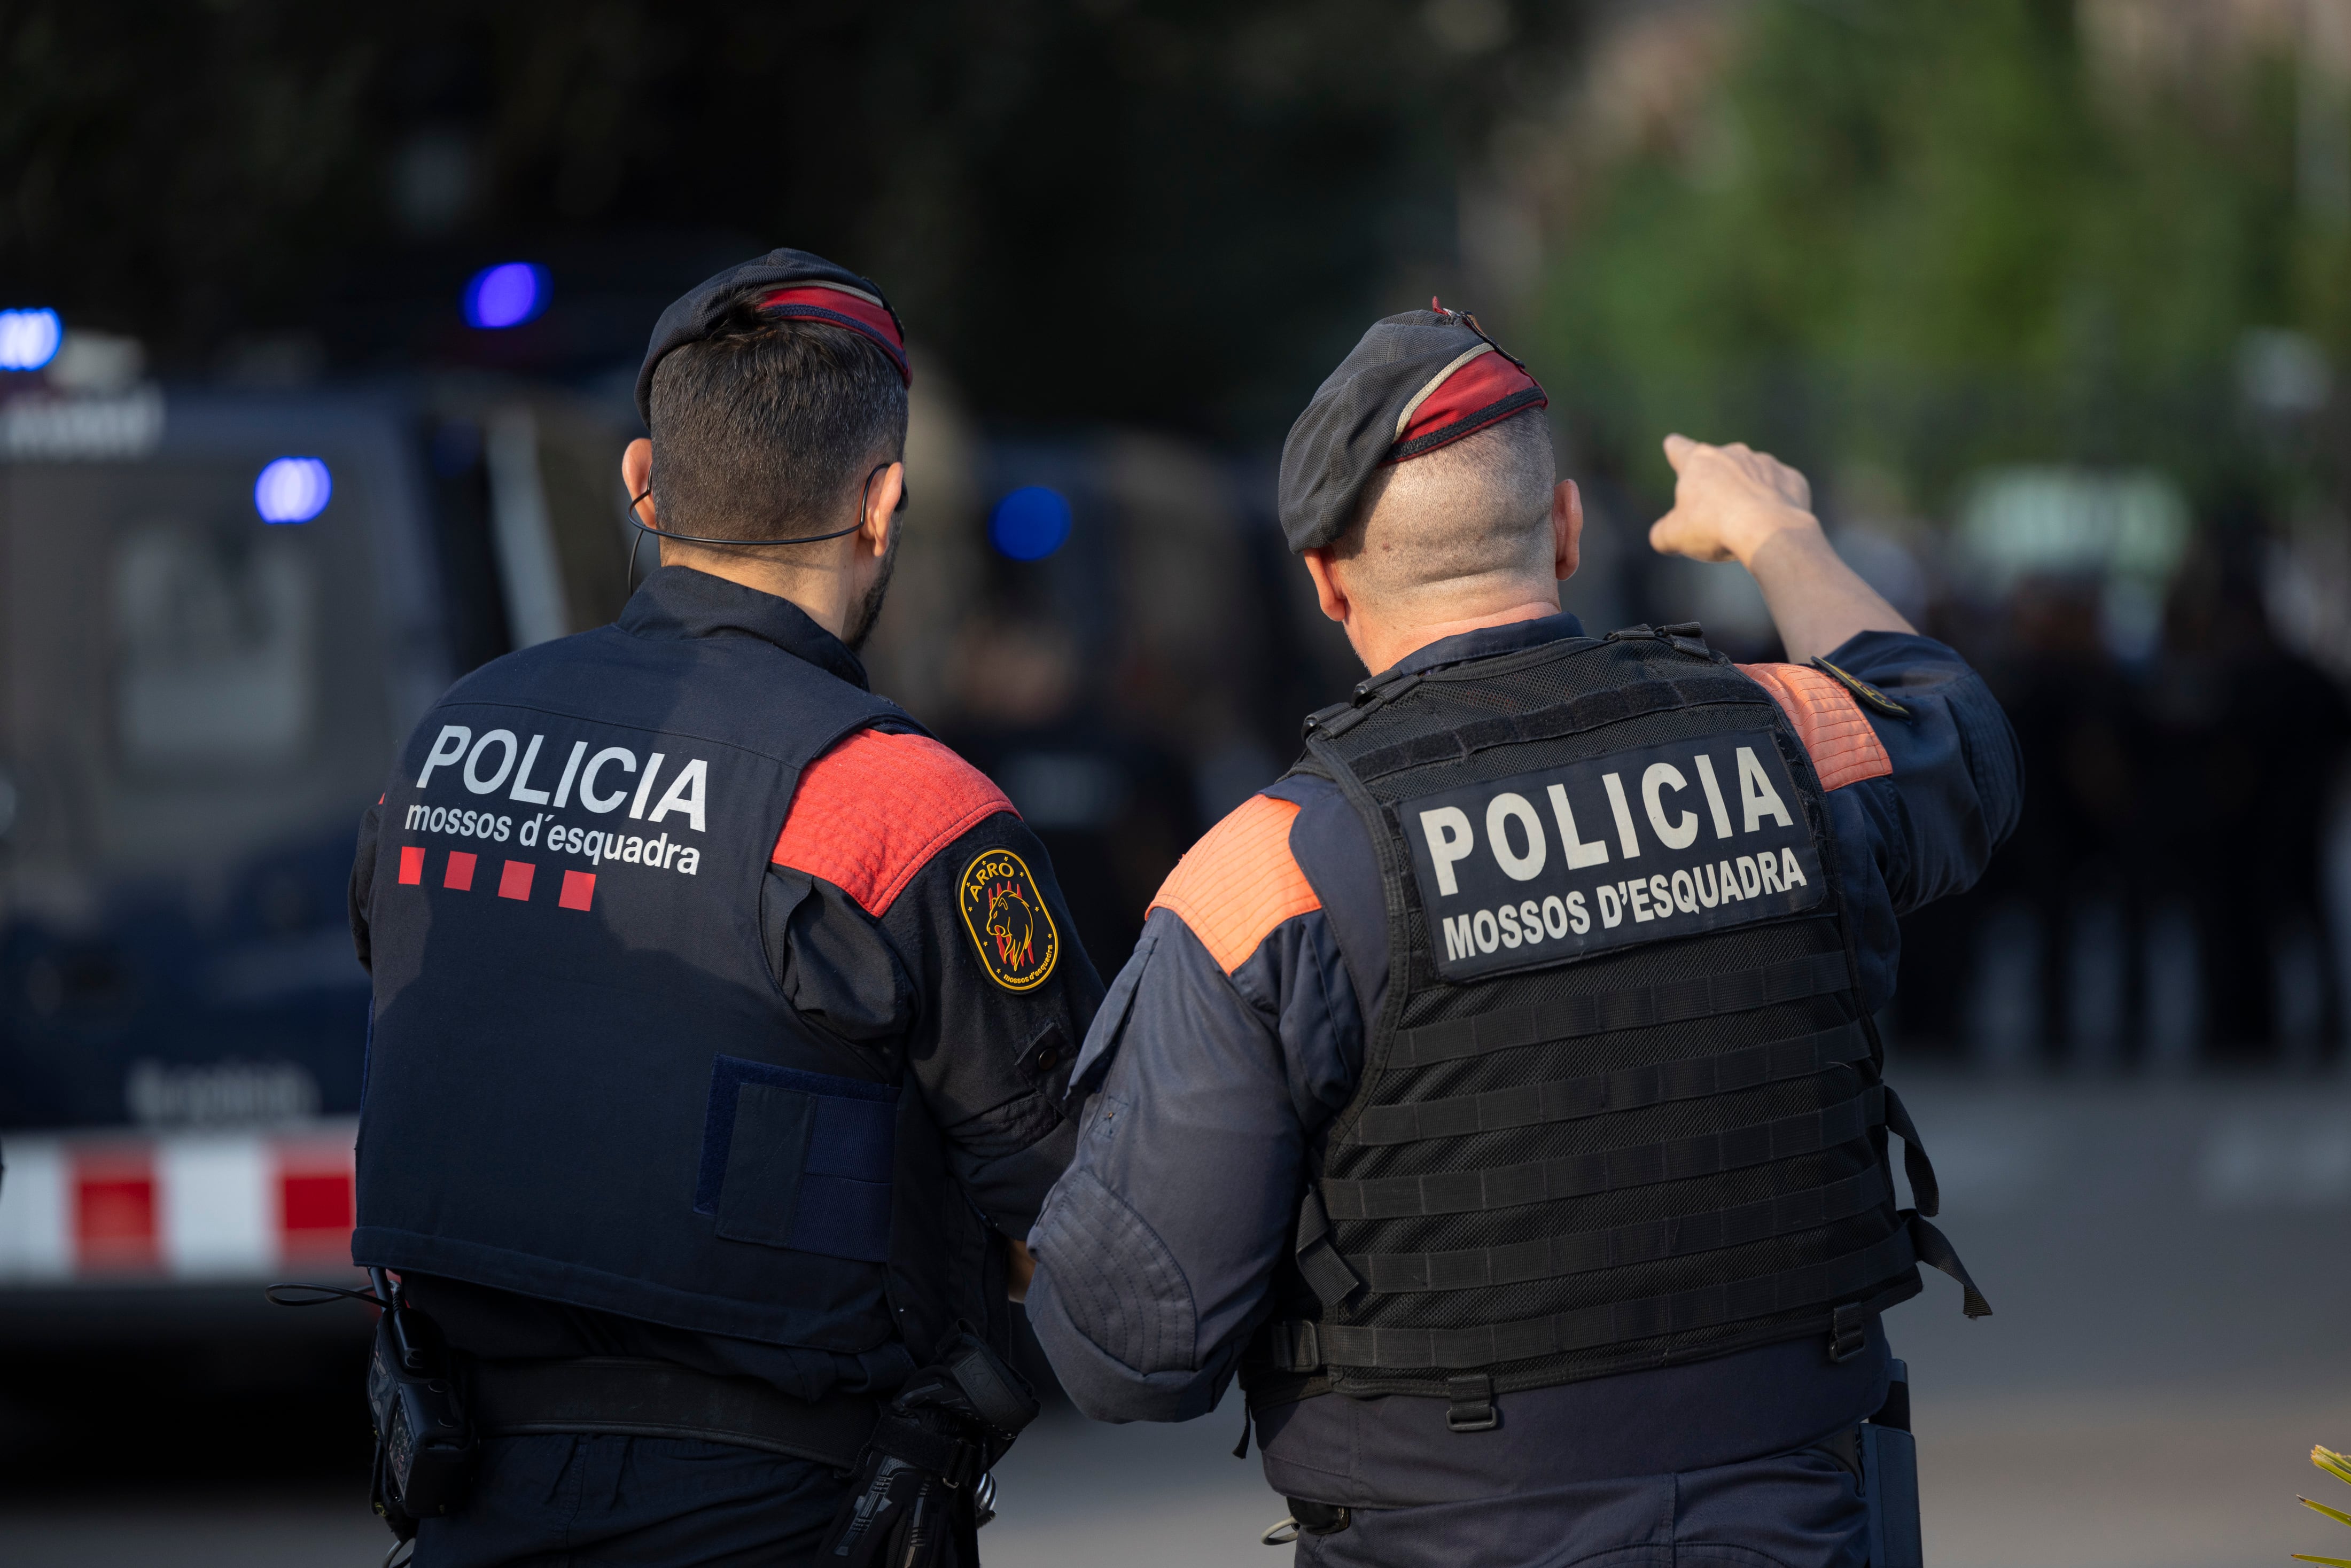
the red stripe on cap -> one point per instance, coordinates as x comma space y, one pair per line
823, 302
1467, 391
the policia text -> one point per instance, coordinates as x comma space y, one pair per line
1625, 847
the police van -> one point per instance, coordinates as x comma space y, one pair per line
220, 612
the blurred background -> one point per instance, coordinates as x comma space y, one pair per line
316, 334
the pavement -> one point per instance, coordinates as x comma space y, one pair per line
2169, 1261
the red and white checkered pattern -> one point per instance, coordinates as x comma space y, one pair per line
116, 1206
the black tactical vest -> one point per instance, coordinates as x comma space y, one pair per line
1622, 1106
583, 1082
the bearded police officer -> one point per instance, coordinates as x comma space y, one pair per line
1498, 1092
721, 1017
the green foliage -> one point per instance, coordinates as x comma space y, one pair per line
1934, 236
2335, 1465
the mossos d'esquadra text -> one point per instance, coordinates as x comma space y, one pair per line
654, 789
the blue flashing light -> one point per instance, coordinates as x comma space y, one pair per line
29, 339
1030, 523
293, 490
507, 296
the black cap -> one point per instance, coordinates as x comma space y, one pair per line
1416, 382
790, 282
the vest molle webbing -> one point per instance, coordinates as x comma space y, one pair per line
1622, 1106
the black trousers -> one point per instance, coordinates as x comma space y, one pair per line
1792, 1511
568, 1501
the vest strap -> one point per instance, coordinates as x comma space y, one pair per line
1333, 1280
1568, 1100
1613, 1322
1924, 1189
1554, 1257
1634, 1006
1470, 1403
1607, 1170
1848, 1332
1934, 1251
1555, 721
1295, 1345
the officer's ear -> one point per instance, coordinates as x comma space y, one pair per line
1566, 530
884, 498
1327, 591
637, 476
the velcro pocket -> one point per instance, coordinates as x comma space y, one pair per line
799, 1160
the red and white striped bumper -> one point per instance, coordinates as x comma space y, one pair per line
122, 1207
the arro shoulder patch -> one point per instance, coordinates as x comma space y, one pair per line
1009, 921
1631, 846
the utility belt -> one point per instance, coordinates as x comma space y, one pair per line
917, 1466
430, 1417
643, 1398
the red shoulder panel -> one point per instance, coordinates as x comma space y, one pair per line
872, 812
1844, 748
1239, 881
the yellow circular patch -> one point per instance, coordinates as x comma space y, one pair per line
1009, 921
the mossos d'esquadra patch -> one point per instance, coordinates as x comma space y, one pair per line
1632, 846
1009, 921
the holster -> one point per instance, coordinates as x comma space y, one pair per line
1883, 1457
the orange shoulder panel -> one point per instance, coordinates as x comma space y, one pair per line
1844, 748
872, 812
1239, 881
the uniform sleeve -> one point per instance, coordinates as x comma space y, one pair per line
361, 891
1212, 1059
991, 1045
1956, 785
910, 910
1917, 805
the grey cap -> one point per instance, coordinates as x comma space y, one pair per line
1416, 382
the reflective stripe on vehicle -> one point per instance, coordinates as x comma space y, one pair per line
106, 1206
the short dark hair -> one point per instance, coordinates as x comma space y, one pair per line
763, 428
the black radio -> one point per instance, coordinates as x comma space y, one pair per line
424, 1445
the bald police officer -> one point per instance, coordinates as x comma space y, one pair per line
1497, 1092
721, 1015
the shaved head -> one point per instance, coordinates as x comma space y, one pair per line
1473, 514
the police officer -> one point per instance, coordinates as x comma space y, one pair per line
721, 1015
1498, 1091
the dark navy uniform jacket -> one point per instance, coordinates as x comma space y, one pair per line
875, 952
1236, 1030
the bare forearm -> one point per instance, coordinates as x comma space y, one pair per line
1816, 600
1023, 1270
